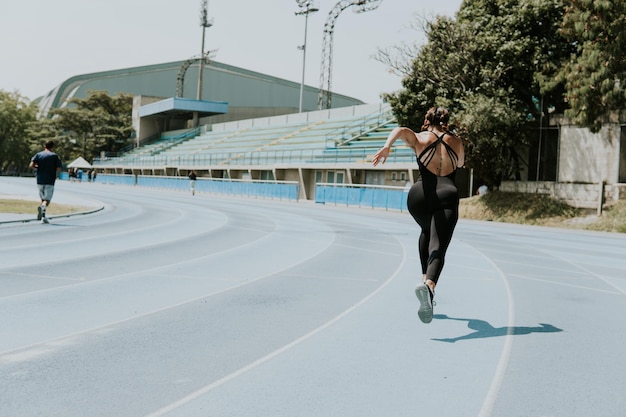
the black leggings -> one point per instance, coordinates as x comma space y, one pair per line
434, 204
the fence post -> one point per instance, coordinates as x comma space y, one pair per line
600, 198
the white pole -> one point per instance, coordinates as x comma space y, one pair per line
306, 22
307, 7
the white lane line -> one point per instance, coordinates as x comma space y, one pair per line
206, 389
536, 266
496, 382
177, 264
592, 274
51, 277
331, 278
109, 235
168, 307
331, 238
548, 281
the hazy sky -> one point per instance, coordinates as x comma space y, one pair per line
44, 42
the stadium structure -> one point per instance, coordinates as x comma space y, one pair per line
250, 129
255, 127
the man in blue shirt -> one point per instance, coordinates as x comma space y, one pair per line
46, 165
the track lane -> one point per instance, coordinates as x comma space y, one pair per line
315, 315
274, 252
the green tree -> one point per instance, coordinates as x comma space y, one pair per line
89, 126
16, 113
594, 74
483, 66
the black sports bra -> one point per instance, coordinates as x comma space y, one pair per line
427, 155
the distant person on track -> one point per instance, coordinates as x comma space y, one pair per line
192, 182
46, 164
433, 200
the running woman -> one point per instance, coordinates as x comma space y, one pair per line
433, 200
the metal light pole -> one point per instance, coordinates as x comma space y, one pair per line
324, 98
204, 23
307, 7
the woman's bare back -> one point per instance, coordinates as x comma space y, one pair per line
439, 159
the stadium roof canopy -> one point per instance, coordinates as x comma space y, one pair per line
248, 94
183, 107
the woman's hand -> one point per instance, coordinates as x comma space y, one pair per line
381, 156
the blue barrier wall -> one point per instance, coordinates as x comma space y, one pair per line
116, 179
389, 198
265, 189
393, 198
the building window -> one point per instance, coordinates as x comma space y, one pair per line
335, 177
267, 176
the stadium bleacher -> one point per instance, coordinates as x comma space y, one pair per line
346, 137
325, 148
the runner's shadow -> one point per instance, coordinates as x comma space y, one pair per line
483, 329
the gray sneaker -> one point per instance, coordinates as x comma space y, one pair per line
425, 297
44, 220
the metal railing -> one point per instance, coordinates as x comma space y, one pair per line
270, 157
357, 128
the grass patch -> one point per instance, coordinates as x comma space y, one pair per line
613, 219
515, 208
542, 210
30, 207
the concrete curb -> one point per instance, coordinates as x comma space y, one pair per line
34, 219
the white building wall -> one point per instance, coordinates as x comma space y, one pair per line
586, 157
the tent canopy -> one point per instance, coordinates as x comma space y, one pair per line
80, 163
